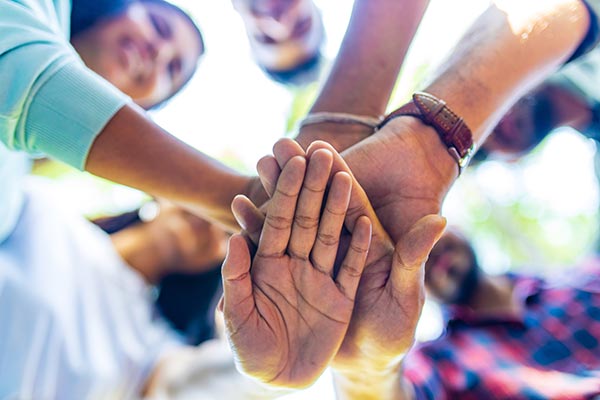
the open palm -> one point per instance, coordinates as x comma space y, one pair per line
286, 315
391, 292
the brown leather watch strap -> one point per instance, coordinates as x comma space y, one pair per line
434, 112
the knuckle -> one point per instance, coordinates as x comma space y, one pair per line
286, 193
278, 222
328, 239
358, 249
351, 270
306, 222
297, 253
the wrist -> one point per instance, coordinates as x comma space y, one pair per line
439, 161
340, 136
371, 383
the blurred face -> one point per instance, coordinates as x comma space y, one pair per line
148, 52
451, 272
515, 132
282, 33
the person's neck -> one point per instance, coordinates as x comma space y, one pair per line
494, 295
569, 108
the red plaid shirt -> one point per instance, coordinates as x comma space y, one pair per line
551, 351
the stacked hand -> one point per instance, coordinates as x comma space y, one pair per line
390, 295
286, 311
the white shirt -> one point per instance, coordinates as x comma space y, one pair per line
75, 321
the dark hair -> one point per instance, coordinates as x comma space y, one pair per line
87, 13
307, 72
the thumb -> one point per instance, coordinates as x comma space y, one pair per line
238, 300
412, 251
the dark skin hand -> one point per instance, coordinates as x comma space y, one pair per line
286, 313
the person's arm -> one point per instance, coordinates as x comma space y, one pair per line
134, 151
367, 66
406, 169
53, 104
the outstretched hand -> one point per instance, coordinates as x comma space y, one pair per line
391, 292
286, 311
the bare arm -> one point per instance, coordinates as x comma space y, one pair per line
406, 169
366, 68
136, 152
510, 49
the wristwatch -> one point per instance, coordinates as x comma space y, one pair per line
434, 112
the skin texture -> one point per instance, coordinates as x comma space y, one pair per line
286, 317
148, 52
371, 82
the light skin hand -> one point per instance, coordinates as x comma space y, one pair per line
286, 314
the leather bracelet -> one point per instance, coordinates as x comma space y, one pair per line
434, 112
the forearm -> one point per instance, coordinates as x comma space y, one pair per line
133, 151
367, 66
511, 48
369, 384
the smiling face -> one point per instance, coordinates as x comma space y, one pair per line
148, 52
283, 33
452, 272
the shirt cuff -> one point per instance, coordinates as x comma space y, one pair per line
69, 111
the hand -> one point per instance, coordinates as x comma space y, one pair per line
405, 170
190, 243
391, 292
175, 241
286, 316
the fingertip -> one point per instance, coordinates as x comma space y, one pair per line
286, 148
317, 145
268, 171
297, 165
236, 258
239, 205
363, 229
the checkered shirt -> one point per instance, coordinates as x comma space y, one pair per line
550, 351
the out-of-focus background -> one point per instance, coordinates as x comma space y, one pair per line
542, 211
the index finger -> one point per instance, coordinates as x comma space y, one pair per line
277, 227
360, 205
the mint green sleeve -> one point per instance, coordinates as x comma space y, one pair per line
50, 102
68, 112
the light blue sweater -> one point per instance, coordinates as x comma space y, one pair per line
50, 103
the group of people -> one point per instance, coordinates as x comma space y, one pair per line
334, 242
